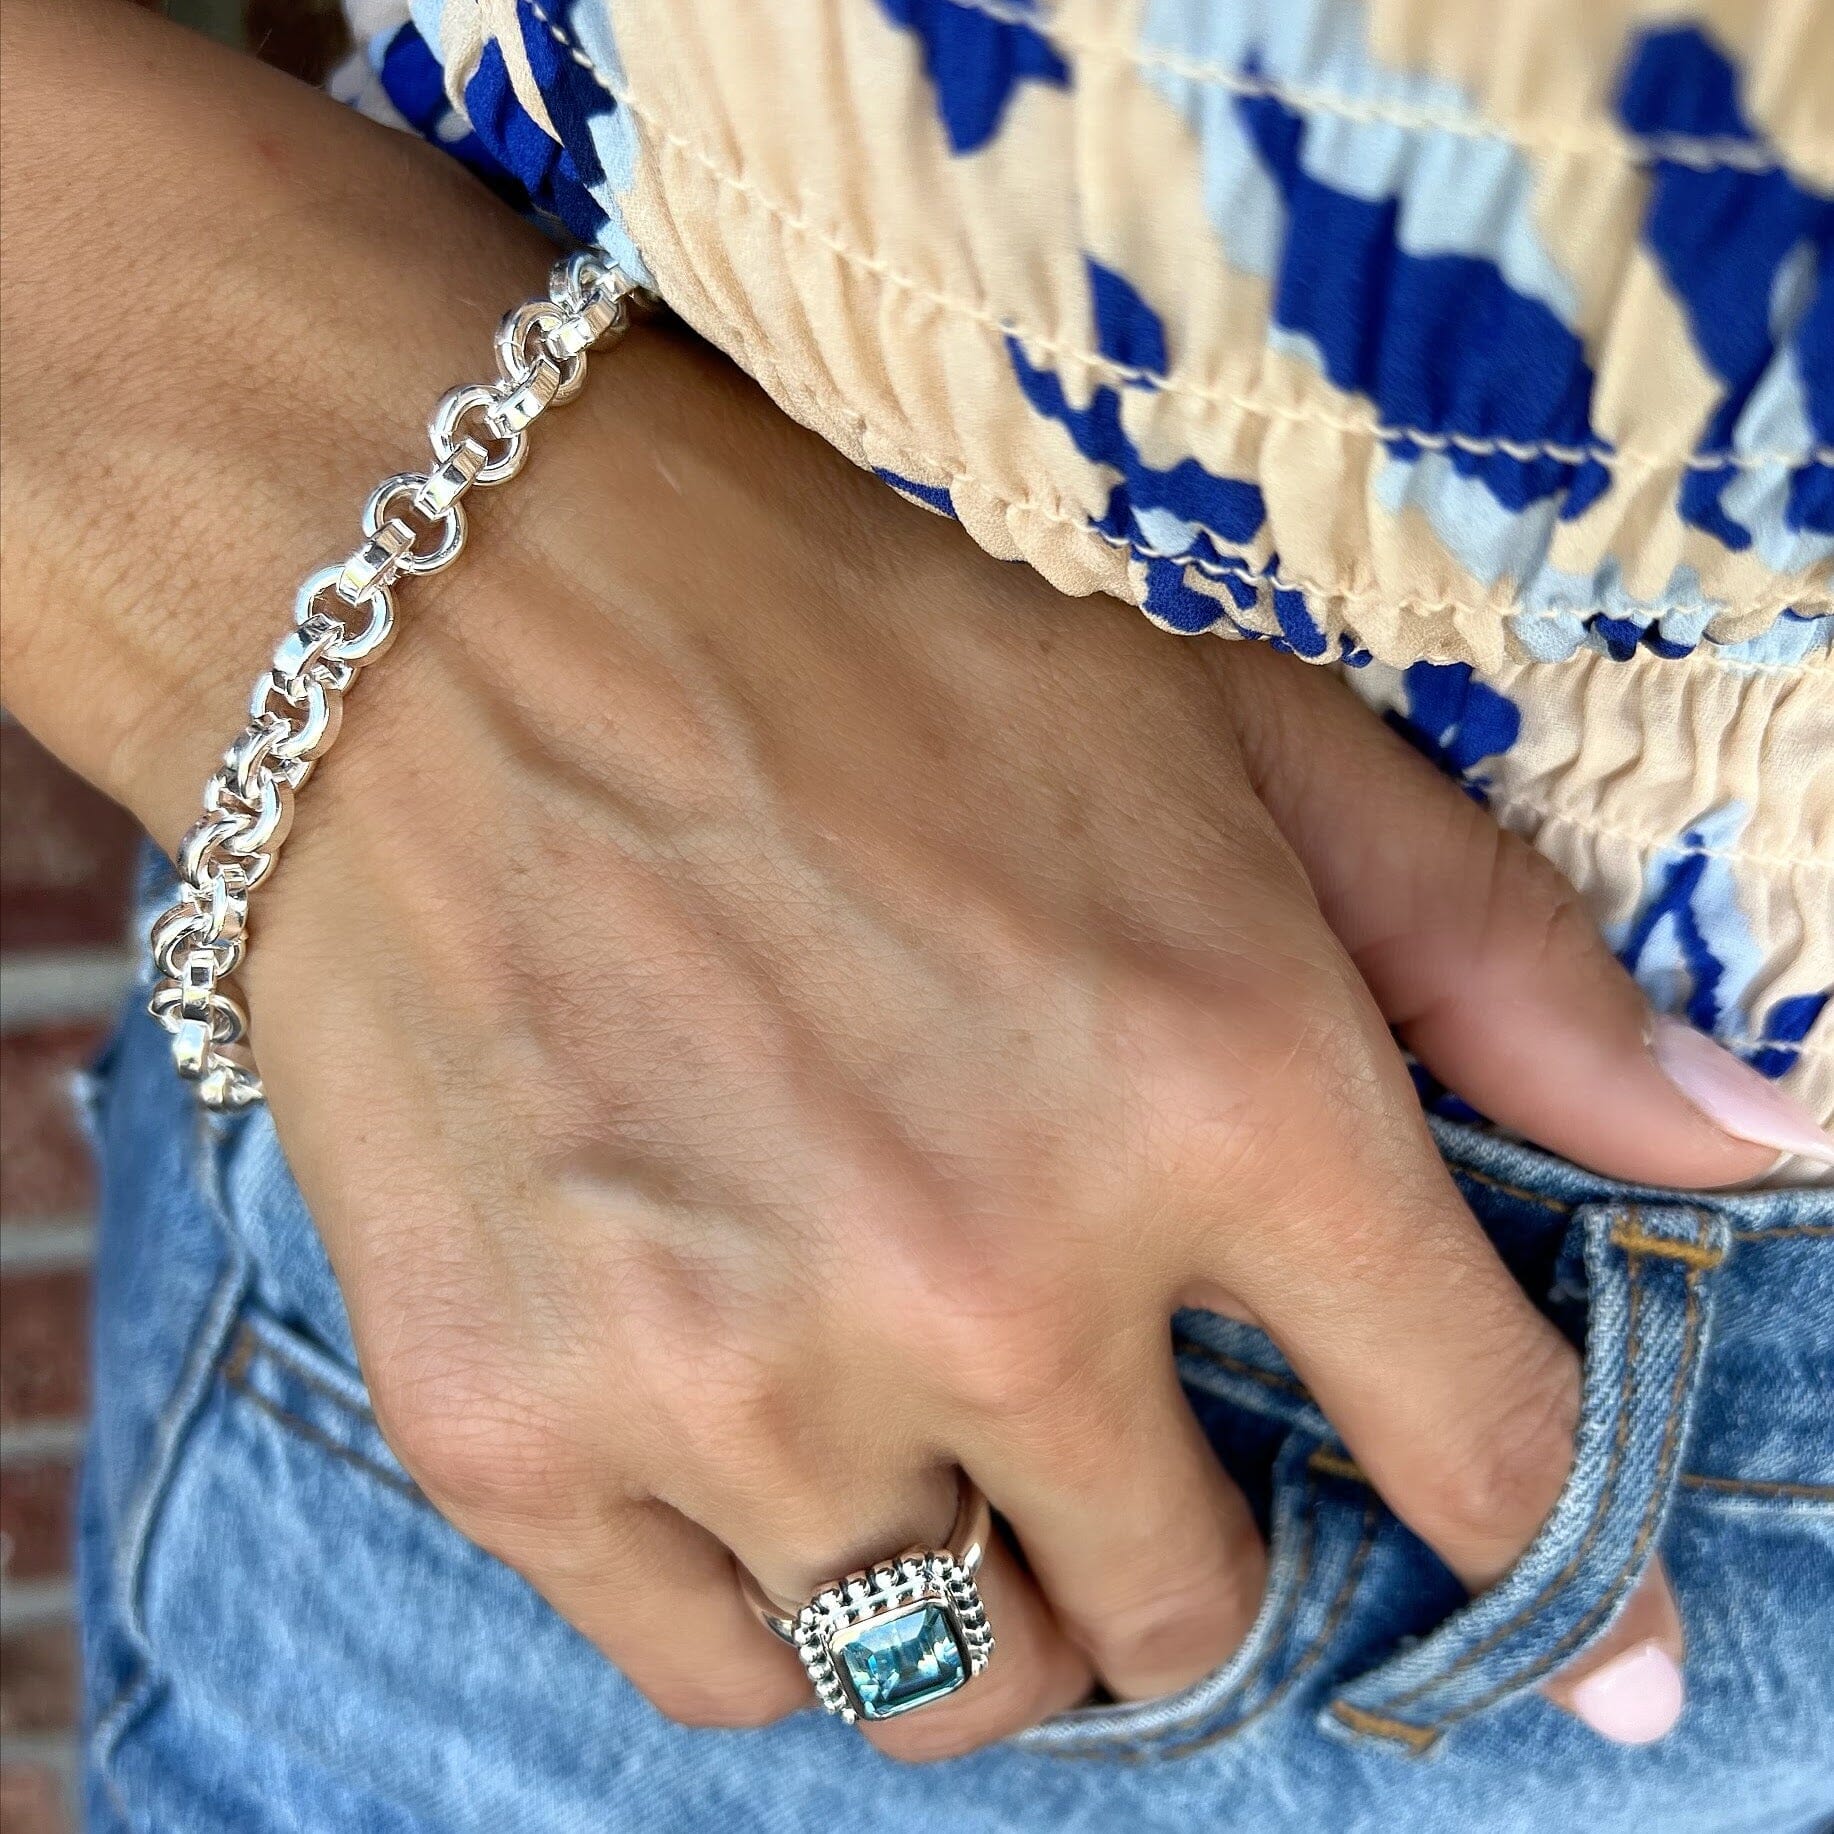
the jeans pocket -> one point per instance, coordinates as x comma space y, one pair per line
1650, 1270
1324, 1521
306, 1612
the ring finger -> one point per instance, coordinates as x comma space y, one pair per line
1034, 1671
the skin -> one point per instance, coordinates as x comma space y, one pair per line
766, 1004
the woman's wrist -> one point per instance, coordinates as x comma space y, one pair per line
285, 292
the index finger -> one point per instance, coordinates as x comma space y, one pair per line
1458, 1398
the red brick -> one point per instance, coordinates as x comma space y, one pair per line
32, 1800
66, 853
43, 1345
37, 1516
44, 1161
38, 1680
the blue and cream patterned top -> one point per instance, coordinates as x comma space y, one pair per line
1484, 352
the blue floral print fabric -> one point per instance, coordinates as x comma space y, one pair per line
1484, 355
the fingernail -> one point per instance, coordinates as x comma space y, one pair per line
1635, 1698
1733, 1096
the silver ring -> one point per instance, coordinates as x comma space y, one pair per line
899, 1634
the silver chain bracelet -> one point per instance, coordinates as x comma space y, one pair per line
413, 522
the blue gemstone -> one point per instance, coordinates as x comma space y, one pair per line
897, 1663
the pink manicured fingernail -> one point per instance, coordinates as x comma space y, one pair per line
1733, 1096
1635, 1698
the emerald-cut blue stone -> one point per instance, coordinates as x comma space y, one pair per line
897, 1663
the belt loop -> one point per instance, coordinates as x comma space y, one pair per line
1651, 1271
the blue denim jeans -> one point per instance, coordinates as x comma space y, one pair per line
281, 1634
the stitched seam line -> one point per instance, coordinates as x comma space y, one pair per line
1758, 1486
1145, 1744
1704, 152
980, 312
1557, 1204
1693, 1480
1332, 1465
1601, 1511
1788, 1229
1788, 672
1635, 1241
251, 1344
307, 1430
1314, 1652
914, 462
1361, 1720
1268, 1378
1608, 1600
1650, 843
1249, 574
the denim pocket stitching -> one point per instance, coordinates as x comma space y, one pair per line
1168, 1742
250, 1343
234, 1371
176, 1418
1307, 1659
1782, 1230
1235, 1365
1558, 1205
1781, 1488
1600, 1514
1419, 1738
1609, 1599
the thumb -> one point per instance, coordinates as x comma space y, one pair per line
1483, 958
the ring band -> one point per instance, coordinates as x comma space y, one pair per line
899, 1634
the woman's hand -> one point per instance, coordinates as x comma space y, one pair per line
768, 1005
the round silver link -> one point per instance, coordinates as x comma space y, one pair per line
321, 712
447, 428
268, 821
376, 562
197, 852
524, 340
221, 1012
248, 752
514, 408
448, 481
404, 489
184, 928
378, 602
343, 618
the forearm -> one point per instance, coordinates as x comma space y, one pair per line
228, 305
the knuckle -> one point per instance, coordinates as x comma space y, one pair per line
1016, 1368
1534, 911
734, 1394
1493, 1498
1183, 1629
479, 1446
1227, 1078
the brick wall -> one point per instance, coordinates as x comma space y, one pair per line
64, 961
64, 861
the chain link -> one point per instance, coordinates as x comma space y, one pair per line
343, 618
